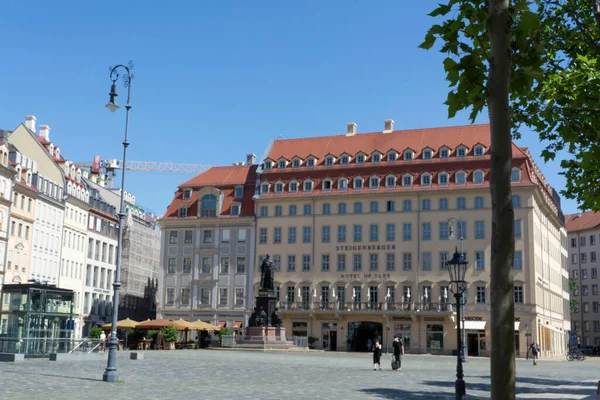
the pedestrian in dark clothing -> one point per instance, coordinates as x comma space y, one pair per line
398, 352
535, 349
376, 355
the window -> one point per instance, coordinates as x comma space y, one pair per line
390, 181
291, 263
268, 164
480, 299
296, 163
444, 152
225, 265
207, 236
461, 203
185, 296
263, 236
425, 205
516, 201
341, 262
187, 237
306, 234
329, 160
592, 240
479, 229
390, 232
345, 159
208, 207
240, 265
407, 261
306, 262
479, 260
518, 260
325, 234
460, 178
518, 294
374, 207
444, 232
308, 186
239, 192
293, 187
325, 262
426, 180
357, 207
515, 175
170, 296
310, 162
357, 262
264, 211
461, 151
373, 233
376, 157
478, 177
182, 212
573, 258
406, 205
342, 184
357, 233
517, 228
206, 265
443, 179
172, 236
390, 206
291, 234
374, 182
282, 163
27, 233
342, 208
584, 273
426, 261
392, 156
276, 235
307, 209
443, 205
239, 297
172, 266
443, 260
292, 210
390, 262
407, 181
373, 262
594, 273
408, 155
358, 183
478, 202
241, 235
187, 265
427, 153
407, 232
426, 229
204, 296
592, 253
223, 295
327, 185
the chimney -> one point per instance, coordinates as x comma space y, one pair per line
45, 132
30, 122
388, 125
250, 159
85, 173
351, 129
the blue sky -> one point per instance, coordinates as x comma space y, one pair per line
215, 80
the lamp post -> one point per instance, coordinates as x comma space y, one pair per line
457, 268
111, 374
463, 349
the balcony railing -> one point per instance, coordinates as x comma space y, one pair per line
294, 305
366, 306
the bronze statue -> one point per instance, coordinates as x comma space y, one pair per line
263, 317
276, 319
267, 274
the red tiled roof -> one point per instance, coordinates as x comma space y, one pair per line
223, 178
582, 221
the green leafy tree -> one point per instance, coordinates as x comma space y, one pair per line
95, 332
170, 333
224, 331
573, 303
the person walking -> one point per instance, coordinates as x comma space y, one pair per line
398, 353
376, 355
535, 349
102, 341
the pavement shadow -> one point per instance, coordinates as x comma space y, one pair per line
395, 394
55, 376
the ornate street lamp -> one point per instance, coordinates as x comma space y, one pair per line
111, 374
460, 224
457, 267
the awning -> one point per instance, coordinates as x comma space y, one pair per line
474, 325
221, 324
517, 324
237, 325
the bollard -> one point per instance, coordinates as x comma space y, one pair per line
598, 391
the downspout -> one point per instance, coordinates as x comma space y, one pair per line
419, 264
314, 237
580, 291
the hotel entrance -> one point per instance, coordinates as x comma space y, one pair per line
329, 336
362, 334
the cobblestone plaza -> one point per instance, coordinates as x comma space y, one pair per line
257, 375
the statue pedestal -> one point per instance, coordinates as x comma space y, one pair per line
268, 302
265, 337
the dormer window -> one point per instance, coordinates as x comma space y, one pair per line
345, 159
515, 175
360, 159
187, 194
444, 152
310, 162
479, 150
408, 155
407, 180
390, 181
239, 192
374, 182
296, 163
308, 186
426, 180
282, 163
392, 156
278, 187
264, 188
182, 212
268, 164
293, 187
235, 209
443, 179
358, 183
427, 154
461, 151
460, 178
376, 157
478, 177
327, 185
342, 184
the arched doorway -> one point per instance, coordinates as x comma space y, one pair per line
363, 333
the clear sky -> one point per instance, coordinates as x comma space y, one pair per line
215, 80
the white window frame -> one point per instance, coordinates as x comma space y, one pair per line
386, 181
268, 164
282, 163
392, 154
330, 185
290, 187
278, 183
475, 173
377, 181
408, 155
265, 187
298, 161
424, 177
311, 161
358, 179
307, 186
512, 171
345, 185
479, 149
329, 160
376, 153
446, 150
464, 179
187, 194
345, 159
411, 180
427, 154
358, 158
462, 149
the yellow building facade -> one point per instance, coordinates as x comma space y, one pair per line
360, 227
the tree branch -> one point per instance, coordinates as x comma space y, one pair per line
582, 29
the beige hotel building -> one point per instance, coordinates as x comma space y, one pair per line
358, 227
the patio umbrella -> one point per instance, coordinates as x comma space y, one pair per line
122, 324
159, 324
184, 323
203, 326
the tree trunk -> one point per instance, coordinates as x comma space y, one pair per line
501, 292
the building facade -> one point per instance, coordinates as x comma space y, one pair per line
207, 249
358, 226
584, 235
7, 175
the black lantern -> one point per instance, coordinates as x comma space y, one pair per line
457, 268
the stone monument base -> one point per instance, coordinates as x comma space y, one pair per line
265, 337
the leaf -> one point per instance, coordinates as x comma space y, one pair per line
428, 42
442, 9
548, 155
528, 20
